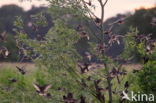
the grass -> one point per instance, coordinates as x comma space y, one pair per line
23, 91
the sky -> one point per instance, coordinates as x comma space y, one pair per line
113, 7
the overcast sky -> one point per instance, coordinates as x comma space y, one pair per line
113, 7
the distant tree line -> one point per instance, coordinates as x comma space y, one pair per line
8, 14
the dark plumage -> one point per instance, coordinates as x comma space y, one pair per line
84, 67
126, 85
13, 80
69, 98
97, 21
21, 70
42, 90
82, 99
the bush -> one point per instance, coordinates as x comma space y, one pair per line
147, 78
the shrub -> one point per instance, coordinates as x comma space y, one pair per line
147, 78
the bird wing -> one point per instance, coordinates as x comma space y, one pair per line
18, 68
47, 87
36, 87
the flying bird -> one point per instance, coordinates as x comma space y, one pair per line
88, 56
13, 80
42, 90
84, 35
153, 22
21, 70
3, 36
119, 21
97, 21
82, 99
126, 85
84, 67
150, 45
4, 52
114, 38
69, 98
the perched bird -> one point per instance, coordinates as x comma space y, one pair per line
69, 98
42, 90
21, 70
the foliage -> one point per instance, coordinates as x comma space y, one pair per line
10, 44
141, 19
144, 48
59, 63
147, 78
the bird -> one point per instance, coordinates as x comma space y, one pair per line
3, 36
84, 67
89, 3
119, 21
88, 56
79, 27
143, 37
145, 59
84, 35
21, 70
42, 90
13, 80
126, 85
82, 99
150, 45
153, 22
97, 21
69, 98
4, 52
135, 71
101, 48
114, 38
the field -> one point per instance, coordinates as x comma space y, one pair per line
22, 90
31, 66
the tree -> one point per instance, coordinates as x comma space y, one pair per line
56, 52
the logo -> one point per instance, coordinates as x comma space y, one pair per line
138, 97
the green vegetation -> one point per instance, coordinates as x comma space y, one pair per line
63, 58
